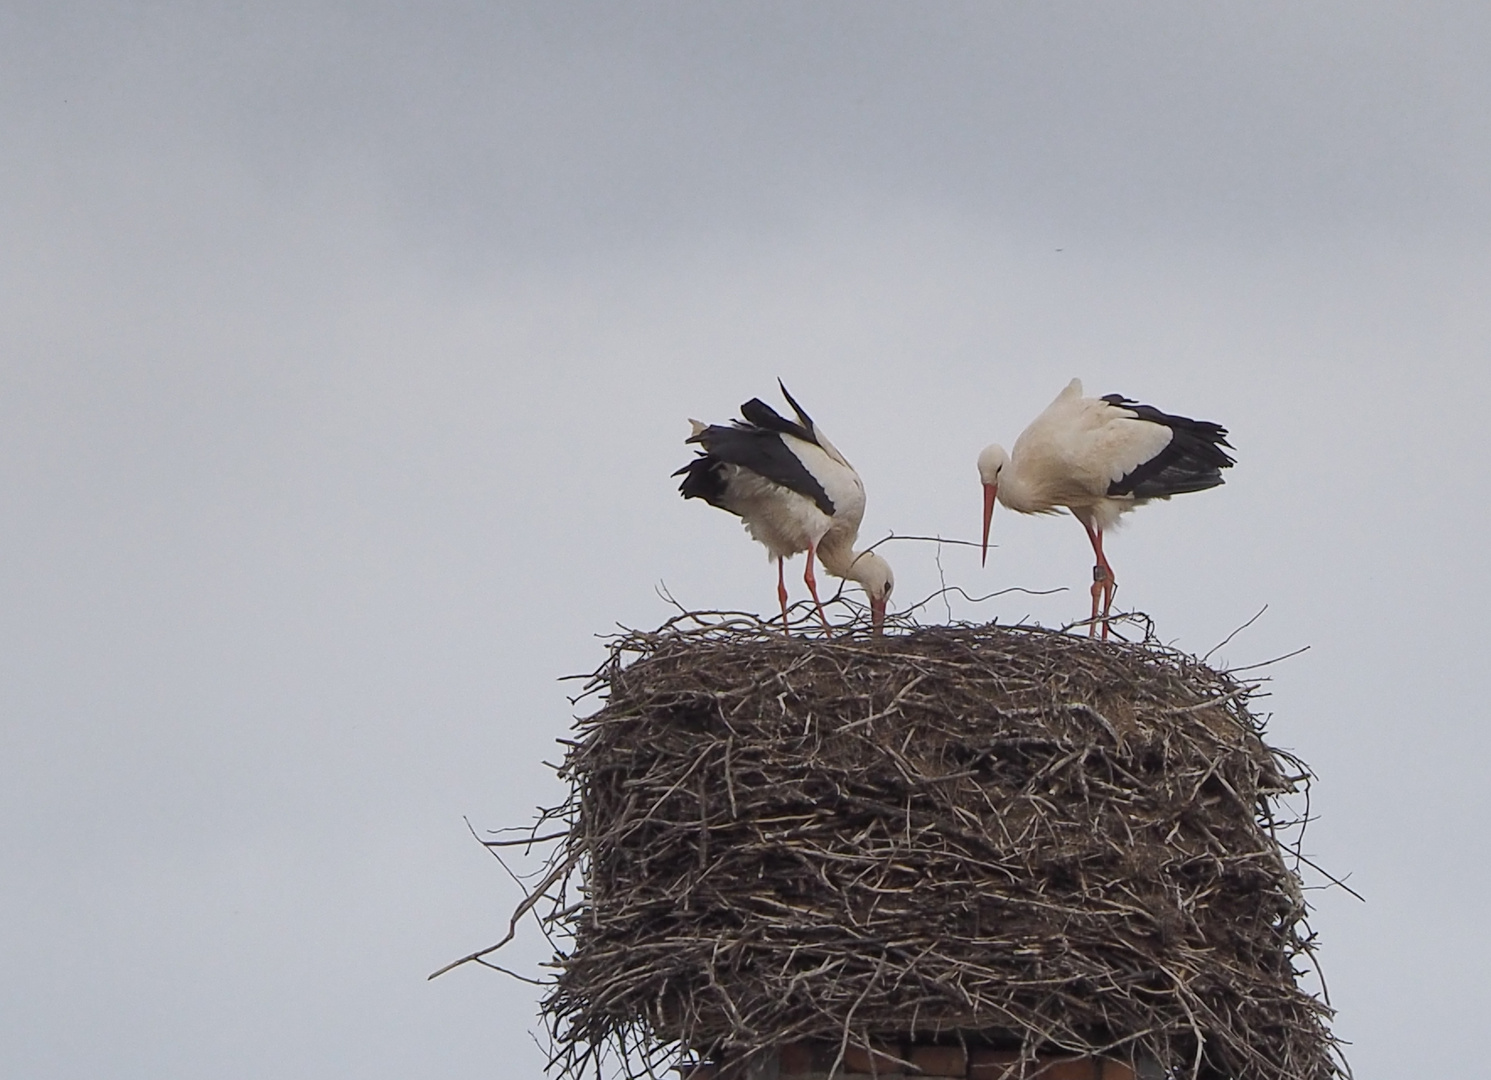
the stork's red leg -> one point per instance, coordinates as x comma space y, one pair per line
782, 593
1104, 584
1109, 588
813, 588
1110, 584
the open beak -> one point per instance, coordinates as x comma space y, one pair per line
877, 616
990, 490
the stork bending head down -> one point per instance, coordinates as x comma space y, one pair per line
1100, 458
794, 492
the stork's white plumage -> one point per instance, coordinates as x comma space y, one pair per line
793, 491
1100, 458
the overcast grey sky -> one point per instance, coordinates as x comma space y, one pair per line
345, 351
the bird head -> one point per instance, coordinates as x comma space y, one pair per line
990, 464
874, 574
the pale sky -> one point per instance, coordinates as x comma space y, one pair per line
346, 350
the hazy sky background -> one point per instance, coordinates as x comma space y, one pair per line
345, 351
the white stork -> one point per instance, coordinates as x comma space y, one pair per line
1100, 458
794, 492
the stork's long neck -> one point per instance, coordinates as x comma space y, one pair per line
1018, 492
837, 554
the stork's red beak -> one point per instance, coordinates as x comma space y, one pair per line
990, 490
877, 616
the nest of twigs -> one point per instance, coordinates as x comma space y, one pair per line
1008, 835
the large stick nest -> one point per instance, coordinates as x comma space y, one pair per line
976, 832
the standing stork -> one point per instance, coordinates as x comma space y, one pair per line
1100, 458
794, 492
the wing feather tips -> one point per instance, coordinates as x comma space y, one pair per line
704, 476
1187, 464
704, 479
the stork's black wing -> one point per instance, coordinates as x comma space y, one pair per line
754, 446
1193, 460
